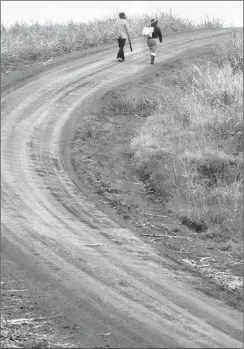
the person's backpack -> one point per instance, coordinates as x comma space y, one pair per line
147, 31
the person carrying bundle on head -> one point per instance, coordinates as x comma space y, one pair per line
153, 33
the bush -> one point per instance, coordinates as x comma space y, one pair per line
190, 150
230, 51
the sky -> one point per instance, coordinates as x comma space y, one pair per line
230, 12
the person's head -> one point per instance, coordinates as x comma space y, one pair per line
154, 22
122, 15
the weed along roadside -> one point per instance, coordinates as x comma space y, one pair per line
165, 153
23, 45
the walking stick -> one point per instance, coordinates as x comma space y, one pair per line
128, 38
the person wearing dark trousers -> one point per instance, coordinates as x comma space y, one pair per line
121, 55
122, 32
152, 39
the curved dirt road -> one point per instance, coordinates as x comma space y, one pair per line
81, 262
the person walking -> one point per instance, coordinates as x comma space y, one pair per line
154, 33
122, 32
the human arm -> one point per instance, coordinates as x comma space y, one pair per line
119, 30
159, 34
127, 31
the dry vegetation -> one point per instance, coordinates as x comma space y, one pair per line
22, 44
190, 151
21, 327
22, 333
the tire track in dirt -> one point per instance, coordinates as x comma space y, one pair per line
119, 282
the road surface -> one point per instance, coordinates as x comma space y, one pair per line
81, 262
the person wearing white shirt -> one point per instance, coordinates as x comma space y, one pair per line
122, 32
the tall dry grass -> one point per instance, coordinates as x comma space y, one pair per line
190, 150
22, 43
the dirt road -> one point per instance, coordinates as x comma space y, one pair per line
112, 288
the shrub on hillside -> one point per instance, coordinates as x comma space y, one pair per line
190, 150
230, 51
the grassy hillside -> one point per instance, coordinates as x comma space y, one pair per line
190, 151
22, 44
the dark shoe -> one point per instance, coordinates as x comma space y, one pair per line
152, 59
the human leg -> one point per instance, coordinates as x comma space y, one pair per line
120, 54
152, 45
